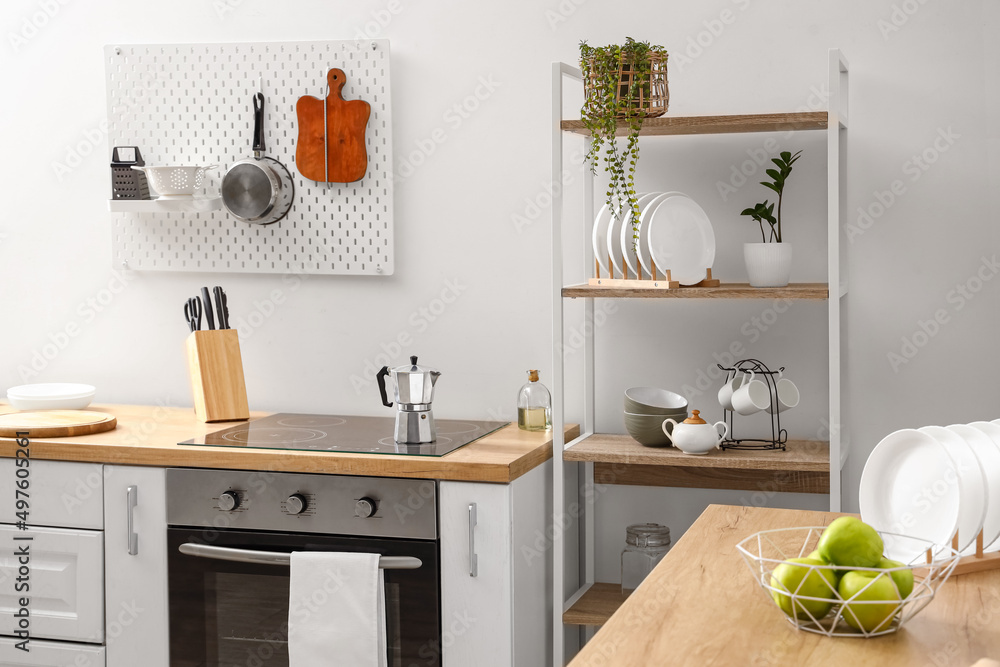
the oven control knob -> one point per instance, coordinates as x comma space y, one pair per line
229, 501
295, 504
364, 508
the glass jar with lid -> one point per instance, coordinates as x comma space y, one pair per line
645, 545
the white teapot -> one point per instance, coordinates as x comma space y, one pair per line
694, 435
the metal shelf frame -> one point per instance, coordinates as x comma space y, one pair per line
835, 127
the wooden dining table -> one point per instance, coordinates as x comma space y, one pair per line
702, 606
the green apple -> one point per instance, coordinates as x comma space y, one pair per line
793, 576
871, 608
850, 542
903, 578
815, 555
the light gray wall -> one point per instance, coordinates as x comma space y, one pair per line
460, 216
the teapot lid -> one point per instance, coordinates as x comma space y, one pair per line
694, 418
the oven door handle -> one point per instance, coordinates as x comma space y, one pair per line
277, 558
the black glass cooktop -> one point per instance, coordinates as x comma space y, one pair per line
337, 433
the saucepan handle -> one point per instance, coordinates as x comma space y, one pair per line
258, 123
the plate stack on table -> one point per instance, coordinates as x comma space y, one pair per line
646, 408
936, 483
51, 396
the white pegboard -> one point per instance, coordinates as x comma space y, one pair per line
192, 104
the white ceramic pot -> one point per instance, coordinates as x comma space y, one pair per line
768, 264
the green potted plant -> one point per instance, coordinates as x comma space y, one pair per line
769, 263
621, 83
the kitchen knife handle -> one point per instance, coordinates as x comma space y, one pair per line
258, 124
207, 307
473, 558
131, 500
220, 308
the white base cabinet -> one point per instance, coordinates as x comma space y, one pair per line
136, 590
65, 578
496, 576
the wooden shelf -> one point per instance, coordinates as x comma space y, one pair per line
595, 606
803, 468
806, 291
674, 125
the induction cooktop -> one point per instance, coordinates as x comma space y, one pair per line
341, 433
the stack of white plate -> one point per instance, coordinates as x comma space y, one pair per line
51, 396
674, 232
934, 482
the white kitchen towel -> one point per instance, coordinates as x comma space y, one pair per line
336, 610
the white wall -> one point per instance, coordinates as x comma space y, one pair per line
455, 216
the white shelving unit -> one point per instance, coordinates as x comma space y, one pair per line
806, 466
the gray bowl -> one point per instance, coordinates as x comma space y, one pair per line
647, 429
653, 401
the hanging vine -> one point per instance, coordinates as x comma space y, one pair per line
622, 83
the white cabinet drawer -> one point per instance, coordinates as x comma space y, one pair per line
63, 495
50, 654
66, 579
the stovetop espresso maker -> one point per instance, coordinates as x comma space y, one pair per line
413, 391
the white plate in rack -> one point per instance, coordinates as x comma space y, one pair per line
990, 460
600, 238
681, 239
645, 257
631, 259
899, 470
972, 490
615, 247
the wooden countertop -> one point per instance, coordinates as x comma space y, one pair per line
148, 435
700, 606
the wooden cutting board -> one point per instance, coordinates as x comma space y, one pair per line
331, 145
55, 423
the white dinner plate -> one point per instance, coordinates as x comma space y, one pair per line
631, 259
51, 396
681, 239
600, 239
615, 247
972, 490
990, 460
645, 258
902, 469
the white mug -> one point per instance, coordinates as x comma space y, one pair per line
752, 396
787, 394
726, 393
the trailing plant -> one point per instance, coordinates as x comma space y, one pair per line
764, 212
618, 80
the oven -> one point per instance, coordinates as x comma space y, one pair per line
229, 536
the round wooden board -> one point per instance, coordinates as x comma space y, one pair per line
55, 423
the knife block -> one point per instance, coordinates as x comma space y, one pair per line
216, 368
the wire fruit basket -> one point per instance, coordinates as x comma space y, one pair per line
833, 615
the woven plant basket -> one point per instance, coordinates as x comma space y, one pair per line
654, 94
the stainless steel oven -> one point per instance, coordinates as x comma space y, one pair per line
229, 536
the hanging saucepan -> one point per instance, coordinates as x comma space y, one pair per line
258, 190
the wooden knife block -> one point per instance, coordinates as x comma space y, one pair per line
216, 368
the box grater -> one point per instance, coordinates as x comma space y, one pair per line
126, 182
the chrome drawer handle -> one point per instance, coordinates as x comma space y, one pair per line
131, 500
473, 558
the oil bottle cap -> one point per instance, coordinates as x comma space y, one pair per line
533, 376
